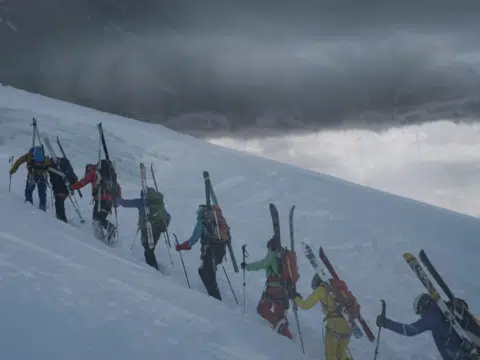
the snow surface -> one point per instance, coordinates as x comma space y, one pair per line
64, 295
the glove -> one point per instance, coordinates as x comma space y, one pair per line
381, 321
183, 246
243, 265
292, 293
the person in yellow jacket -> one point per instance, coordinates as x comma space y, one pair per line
337, 329
37, 169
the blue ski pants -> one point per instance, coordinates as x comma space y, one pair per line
41, 183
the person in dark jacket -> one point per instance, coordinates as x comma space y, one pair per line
37, 168
158, 227
59, 187
448, 342
212, 254
105, 200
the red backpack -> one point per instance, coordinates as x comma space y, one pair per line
221, 230
344, 297
288, 267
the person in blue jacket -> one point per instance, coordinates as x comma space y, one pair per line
448, 342
212, 253
159, 220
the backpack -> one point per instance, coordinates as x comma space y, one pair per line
288, 269
106, 177
65, 167
220, 228
158, 217
38, 157
345, 299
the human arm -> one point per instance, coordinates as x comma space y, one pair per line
130, 203
21, 160
260, 264
413, 329
316, 296
89, 177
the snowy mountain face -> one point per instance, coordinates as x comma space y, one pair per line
65, 295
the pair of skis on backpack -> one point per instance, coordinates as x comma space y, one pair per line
356, 329
451, 316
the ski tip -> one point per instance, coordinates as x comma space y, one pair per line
422, 253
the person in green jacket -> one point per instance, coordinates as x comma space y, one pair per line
273, 303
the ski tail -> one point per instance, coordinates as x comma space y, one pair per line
334, 274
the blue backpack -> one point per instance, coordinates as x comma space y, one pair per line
38, 155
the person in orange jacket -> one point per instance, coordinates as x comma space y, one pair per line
105, 189
37, 169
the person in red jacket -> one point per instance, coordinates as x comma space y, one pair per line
105, 190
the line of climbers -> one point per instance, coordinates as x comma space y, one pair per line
274, 301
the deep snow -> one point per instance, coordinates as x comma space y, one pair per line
65, 295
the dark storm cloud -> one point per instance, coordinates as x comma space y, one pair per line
216, 67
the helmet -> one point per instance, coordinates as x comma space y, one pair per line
422, 303
272, 244
316, 281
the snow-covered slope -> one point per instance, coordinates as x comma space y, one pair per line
65, 295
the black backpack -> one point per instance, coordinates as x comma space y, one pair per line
107, 178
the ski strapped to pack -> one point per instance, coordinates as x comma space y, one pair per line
103, 143
334, 274
211, 197
49, 146
65, 156
312, 258
146, 206
166, 234
292, 270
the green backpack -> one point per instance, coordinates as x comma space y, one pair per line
159, 214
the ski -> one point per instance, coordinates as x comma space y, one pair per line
210, 196
433, 271
102, 143
356, 331
334, 274
292, 248
412, 261
276, 226
65, 156
146, 206
464, 317
49, 146
167, 236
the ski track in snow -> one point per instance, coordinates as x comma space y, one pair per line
67, 296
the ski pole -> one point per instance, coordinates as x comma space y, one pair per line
181, 259
245, 255
135, 239
165, 234
75, 206
384, 310
229, 283
10, 161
